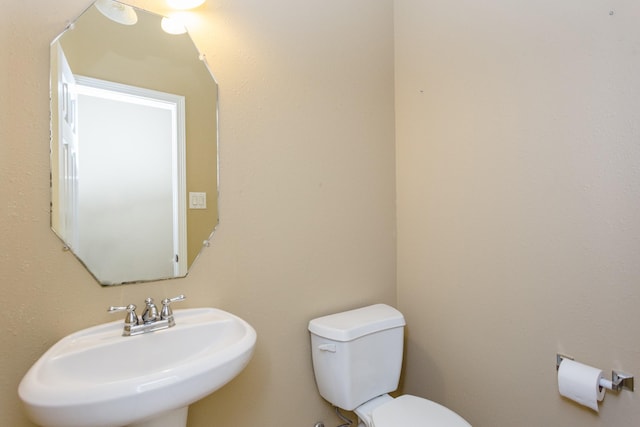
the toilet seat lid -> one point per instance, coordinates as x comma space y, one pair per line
412, 411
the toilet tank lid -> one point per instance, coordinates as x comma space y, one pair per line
352, 324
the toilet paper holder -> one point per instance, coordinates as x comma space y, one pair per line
619, 380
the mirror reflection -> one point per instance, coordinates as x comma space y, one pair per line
133, 145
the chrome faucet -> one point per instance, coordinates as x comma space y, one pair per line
150, 320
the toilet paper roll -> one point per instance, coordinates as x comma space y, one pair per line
580, 383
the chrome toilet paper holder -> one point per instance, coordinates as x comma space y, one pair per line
619, 380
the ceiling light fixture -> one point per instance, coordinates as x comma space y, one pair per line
117, 12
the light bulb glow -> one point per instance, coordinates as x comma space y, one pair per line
185, 4
172, 26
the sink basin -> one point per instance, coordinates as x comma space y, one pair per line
98, 378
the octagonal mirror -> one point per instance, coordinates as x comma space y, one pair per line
134, 145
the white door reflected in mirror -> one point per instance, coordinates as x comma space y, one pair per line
135, 137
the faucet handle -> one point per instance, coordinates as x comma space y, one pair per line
131, 318
167, 313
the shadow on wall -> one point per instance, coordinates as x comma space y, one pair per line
428, 374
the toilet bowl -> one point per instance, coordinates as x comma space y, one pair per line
407, 411
357, 359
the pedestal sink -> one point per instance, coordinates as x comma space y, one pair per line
98, 378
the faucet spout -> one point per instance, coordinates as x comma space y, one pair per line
150, 313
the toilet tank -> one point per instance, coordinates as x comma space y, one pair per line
357, 354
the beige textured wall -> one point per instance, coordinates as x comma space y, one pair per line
307, 194
518, 203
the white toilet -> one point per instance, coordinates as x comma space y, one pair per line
357, 359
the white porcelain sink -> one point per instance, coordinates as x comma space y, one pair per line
98, 378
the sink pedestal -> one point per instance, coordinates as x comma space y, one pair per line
175, 418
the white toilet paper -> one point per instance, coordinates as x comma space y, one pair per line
580, 383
